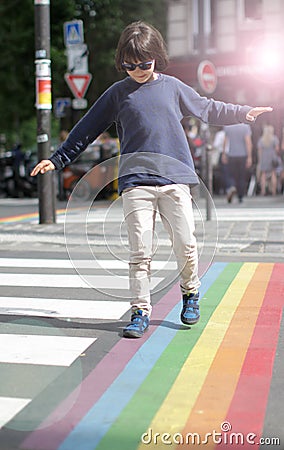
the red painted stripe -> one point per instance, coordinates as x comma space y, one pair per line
66, 416
247, 410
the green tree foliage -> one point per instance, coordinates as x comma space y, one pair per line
16, 63
17, 50
103, 23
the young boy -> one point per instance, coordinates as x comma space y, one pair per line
156, 169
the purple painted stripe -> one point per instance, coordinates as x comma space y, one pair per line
56, 427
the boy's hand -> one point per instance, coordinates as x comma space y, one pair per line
43, 166
255, 112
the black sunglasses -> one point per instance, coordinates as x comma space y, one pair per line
130, 67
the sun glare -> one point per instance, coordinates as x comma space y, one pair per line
265, 58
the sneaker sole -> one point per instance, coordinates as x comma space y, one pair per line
133, 334
188, 321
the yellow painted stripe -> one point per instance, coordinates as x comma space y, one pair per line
173, 413
215, 397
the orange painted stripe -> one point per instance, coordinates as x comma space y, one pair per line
212, 404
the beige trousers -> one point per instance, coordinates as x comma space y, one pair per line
174, 204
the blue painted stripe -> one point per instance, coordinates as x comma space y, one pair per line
95, 424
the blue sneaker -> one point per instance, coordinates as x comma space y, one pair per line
138, 325
190, 311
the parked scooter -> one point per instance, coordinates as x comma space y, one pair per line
15, 179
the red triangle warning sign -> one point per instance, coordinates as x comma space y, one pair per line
78, 84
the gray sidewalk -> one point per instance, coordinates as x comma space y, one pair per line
253, 230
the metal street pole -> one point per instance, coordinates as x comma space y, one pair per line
209, 181
208, 159
201, 43
43, 105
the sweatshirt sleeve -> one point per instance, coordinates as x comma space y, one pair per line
100, 116
209, 110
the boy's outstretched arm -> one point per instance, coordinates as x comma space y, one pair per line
43, 166
255, 112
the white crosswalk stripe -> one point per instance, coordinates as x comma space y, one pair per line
79, 263
247, 214
46, 307
44, 350
10, 406
68, 281
49, 347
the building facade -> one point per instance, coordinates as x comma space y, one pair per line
231, 50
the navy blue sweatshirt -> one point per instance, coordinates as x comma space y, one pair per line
153, 146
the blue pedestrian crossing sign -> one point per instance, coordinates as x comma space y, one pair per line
73, 32
60, 106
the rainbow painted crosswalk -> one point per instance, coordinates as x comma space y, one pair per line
180, 386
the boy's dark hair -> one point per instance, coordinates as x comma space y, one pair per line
140, 41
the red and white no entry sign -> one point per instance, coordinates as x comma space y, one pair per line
207, 76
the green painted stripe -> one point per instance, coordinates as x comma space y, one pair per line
134, 420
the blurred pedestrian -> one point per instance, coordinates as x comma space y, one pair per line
282, 142
238, 144
108, 146
219, 146
18, 169
282, 159
156, 169
268, 159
